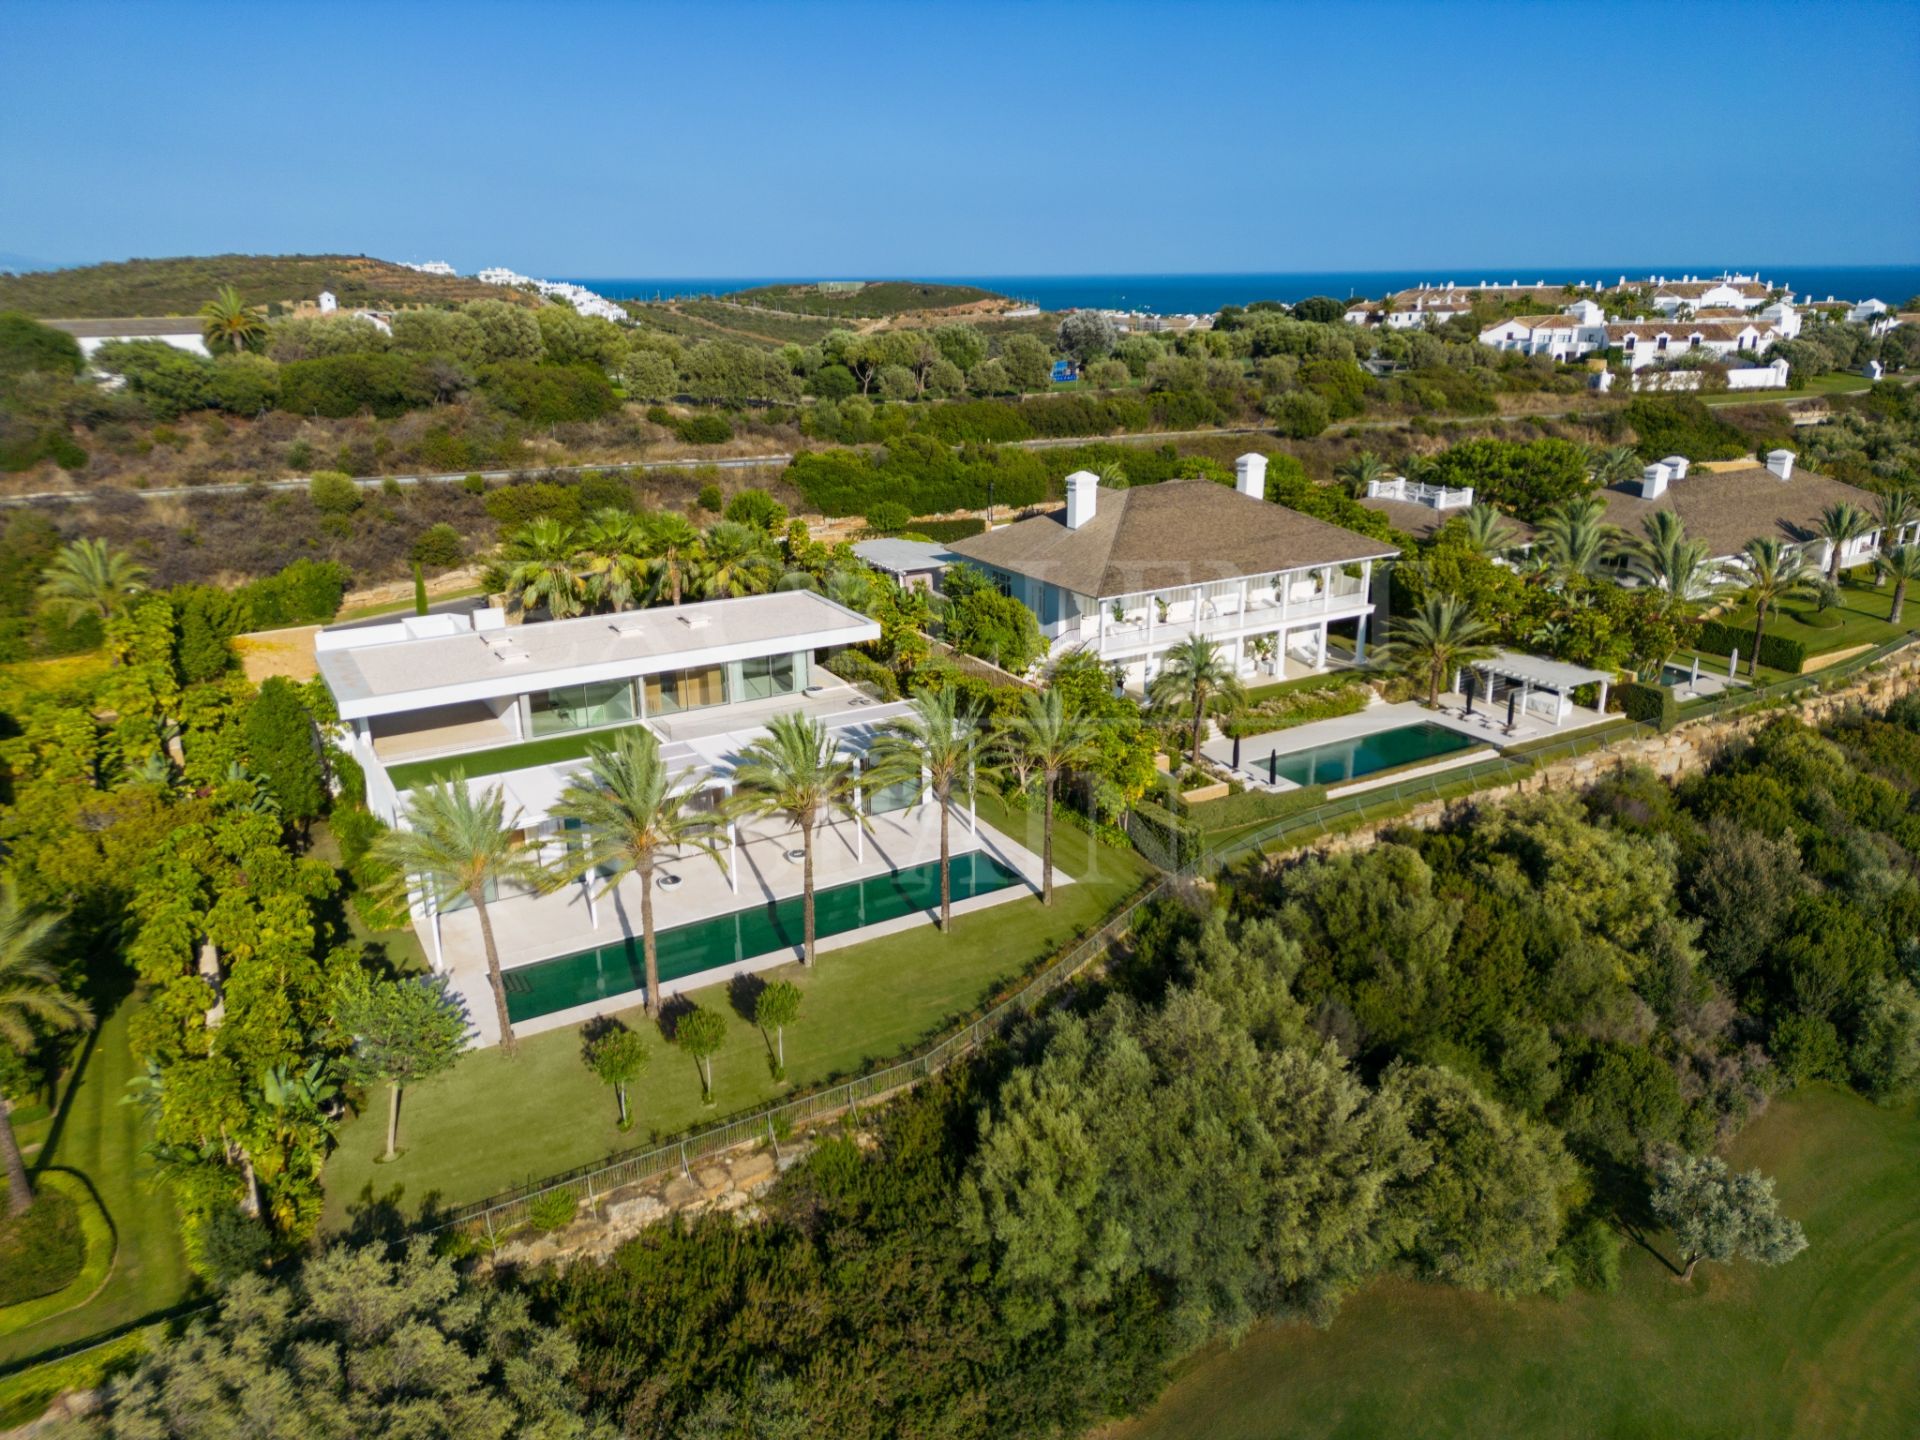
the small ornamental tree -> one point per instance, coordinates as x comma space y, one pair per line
402, 1032
1717, 1215
701, 1033
618, 1056
774, 1008
285, 751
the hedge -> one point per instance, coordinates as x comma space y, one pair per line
1177, 841
858, 668
1777, 652
1254, 806
1650, 704
1279, 712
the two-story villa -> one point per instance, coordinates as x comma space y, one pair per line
519, 708
1125, 574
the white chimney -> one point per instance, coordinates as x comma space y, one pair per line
1653, 481
1250, 476
1083, 495
1676, 466
1780, 462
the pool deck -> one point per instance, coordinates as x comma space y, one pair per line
527, 928
1487, 727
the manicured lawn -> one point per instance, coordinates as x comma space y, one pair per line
93, 1134
1823, 1347
498, 761
1859, 619
1834, 384
493, 1123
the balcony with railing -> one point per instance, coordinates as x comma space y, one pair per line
1138, 624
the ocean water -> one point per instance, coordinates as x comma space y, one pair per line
1182, 294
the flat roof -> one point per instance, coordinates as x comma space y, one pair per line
1538, 670
384, 677
899, 557
131, 328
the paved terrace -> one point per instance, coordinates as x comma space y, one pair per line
529, 928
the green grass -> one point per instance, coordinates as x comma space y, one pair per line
396, 607
548, 750
93, 1134
1833, 384
1861, 619
493, 1122
1822, 1347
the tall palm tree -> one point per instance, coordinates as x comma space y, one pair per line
1774, 573
937, 738
611, 557
228, 323
1361, 470
539, 557
739, 561
796, 770
1682, 570
1898, 509
1486, 529
1839, 523
454, 843
29, 991
674, 554
1575, 539
851, 588
1437, 639
632, 814
1614, 465
1193, 673
1044, 735
91, 577
1901, 565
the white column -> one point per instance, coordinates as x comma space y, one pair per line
1100, 628
1320, 662
1360, 641
973, 803
1603, 697
859, 815
733, 842
1153, 608
433, 921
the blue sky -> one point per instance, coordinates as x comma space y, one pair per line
742, 139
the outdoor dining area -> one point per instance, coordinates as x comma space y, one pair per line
1521, 696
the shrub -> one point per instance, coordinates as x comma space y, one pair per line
553, 1209
1682, 425
708, 429
307, 592
474, 484
439, 547
758, 509
888, 516
1297, 707
859, 668
1300, 415
41, 1250
548, 394
27, 345
1649, 704
1777, 652
341, 385
1162, 836
945, 532
711, 499
514, 505
333, 493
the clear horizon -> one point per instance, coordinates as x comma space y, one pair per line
863, 140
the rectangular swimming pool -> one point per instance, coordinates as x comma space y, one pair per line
620, 968
1343, 760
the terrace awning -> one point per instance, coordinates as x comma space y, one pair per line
1536, 672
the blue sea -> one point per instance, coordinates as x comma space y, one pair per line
1184, 294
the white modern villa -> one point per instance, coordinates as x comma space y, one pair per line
1125, 574
518, 708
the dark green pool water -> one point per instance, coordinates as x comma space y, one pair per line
1351, 759
619, 968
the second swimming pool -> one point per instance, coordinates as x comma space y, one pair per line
620, 967
1342, 760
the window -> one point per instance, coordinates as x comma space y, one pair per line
767, 676
581, 707
678, 690
884, 799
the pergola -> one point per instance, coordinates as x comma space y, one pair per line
1525, 674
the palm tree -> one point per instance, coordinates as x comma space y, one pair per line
539, 558
456, 844
228, 323
797, 770
673, 554
1775, 574
29, 990
1898, 509
739, 561
1437, 639
1486, 529
1575, 539
1613, 465
91, 577
1839, 523
1664, 559
611, 558
1192, 673
631, 814
937, 739
1900, 565
1044, 735
1360, 471
851, 588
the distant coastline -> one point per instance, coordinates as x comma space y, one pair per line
1180, 294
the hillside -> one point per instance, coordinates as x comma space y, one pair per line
181, 285
875, 299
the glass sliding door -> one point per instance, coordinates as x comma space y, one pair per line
581, 707
768, 676
677, 690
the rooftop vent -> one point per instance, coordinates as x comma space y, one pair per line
694, 622
1780, 462
1653, 480
1676, 466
